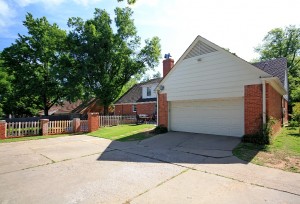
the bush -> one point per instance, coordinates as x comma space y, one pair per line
160, 129
263, 137
293, 123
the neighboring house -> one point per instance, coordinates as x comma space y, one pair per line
78, 107
140, 99
212, 91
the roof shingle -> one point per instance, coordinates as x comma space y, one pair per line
274, 67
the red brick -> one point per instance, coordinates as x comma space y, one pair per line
253, 108
2, 129
167, 66
93, 121
163, 110
141, 108
124, 109
44, 126
274, 107
146, 108
76, 125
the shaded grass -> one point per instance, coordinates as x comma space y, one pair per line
283, 152
18, 139
125, 132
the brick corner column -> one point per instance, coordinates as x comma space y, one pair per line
163, 110
44, 126
93, 121
2, 129
76, 124
253, 108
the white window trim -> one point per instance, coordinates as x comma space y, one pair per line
133, 105
148, 87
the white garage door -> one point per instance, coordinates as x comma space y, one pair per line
219, 117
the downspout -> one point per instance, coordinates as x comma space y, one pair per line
157, 95
264, 102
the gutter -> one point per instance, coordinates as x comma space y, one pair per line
157, 95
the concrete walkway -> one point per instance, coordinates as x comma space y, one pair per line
170, 168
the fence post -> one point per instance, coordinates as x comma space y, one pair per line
2, 129
76, 124
44, 126
93, 121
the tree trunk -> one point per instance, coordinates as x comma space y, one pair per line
106, 110
46, 111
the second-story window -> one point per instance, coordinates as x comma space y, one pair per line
148, 91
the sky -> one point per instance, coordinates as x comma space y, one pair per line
234, 24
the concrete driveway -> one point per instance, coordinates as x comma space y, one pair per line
170, 168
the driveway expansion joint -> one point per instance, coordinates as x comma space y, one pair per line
207, 172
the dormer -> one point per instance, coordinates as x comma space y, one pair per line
148, 90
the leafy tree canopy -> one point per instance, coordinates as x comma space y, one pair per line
128, 1
105, 59
284, 43
34, 61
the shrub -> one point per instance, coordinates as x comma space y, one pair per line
160, 129
293, 123
296, 114
263, 136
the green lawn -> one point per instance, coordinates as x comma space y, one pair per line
18, 139
283, 153
124, 132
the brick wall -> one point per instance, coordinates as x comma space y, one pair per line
146, 108
253, 108
125, 109
93, 121
2, 129
286, 115
163, 110
141, 108
274, 107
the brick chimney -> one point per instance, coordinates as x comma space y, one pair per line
167, 66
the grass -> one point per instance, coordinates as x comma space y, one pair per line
124, 132
18, 139
283, 153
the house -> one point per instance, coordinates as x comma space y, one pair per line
140, 99
77, 107
210, 90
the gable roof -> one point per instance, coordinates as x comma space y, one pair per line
134, 94
207, 47
275, 67
77, 107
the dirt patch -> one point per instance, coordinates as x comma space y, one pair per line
278, 160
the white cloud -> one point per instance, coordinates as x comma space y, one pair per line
53, 3
6, 15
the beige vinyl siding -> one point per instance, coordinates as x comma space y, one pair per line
217, 75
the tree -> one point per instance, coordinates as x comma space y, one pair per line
284, 43
107, 60
35, 61
128, 1
156, 75
296, 113
5, 86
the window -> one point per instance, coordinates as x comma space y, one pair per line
134, 108
148, 91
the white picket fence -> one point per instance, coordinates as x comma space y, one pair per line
113, 120
61, 126
84, 126
18, 129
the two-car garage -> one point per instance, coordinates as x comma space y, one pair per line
220, 117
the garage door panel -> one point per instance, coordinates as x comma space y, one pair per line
221, 117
